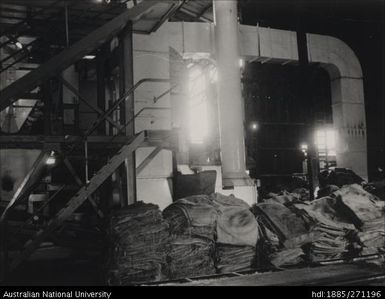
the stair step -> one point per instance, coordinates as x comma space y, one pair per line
79, 198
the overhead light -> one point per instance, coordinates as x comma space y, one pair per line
51, 160
19, 45
89, 57
254, 126
304, 147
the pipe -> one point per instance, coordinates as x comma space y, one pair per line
230, 102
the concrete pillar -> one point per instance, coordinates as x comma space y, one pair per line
350, 123
230, 103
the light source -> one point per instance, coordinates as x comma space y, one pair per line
254, 126
51, 160
325, 140
19, 45
303, 147
89, 57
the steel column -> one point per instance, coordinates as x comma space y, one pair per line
230, 104
127, 108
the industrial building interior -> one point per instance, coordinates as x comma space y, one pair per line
194, 143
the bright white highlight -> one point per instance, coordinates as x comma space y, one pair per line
325, 141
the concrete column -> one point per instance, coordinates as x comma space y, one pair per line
230, 103
350, 123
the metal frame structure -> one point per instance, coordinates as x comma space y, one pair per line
50, 72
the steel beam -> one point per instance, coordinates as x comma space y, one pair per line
69, 56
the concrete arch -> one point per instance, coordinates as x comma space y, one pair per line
348, 102
269, 45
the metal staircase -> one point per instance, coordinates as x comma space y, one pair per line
69, 56
146, 16
82, 195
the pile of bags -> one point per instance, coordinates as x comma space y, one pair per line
367, 214
193, 216
283, 234
225, 222
138, 236
236, 234
232, 258
189, 257
331, 230
347, 223
206, 234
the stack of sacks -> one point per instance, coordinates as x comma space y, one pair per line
189, 257
224, 221
331, 229
290, 228
277, 220
368, 215
192, 224
237, 234
193, 216
267, 245
287, 257
139, 237
230, 258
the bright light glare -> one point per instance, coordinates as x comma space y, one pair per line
241, 63
303, 147
50, 161
197, 106
194, 73
325, 140
254, 126
19, 45
89, 57
198, 122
